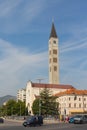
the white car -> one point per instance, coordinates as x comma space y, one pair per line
80, 119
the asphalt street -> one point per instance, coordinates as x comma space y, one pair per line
12, 125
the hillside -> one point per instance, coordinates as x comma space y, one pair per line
6, 98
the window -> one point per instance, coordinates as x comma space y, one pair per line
54, 51
75, 105
55, 68
69, 98
79, 99
54, 59
54, 41
80, 105
84, 99
69, 104
84, 105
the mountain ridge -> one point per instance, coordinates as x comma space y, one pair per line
4, 99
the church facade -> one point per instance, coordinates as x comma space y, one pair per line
33, 91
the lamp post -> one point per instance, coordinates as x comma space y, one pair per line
39, 106
39, 103
20, 109
11, 111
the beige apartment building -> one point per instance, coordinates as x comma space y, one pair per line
72, 101
33, 91
21, 95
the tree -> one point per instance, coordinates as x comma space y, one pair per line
35, 107
20, 108
10, 107
14, 108
48, 106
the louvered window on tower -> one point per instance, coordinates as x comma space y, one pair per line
54, 59
55, 68
55, 51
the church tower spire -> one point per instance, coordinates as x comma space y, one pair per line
53, 57
53, 31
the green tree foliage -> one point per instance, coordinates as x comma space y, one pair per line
13, 108
35, 107
9, 107
46, 102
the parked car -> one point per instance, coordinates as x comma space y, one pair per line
80, 119
33, 121
71, 119
1, 120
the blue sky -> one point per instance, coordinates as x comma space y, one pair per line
25, 27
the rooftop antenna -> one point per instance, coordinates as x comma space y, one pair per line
40, 79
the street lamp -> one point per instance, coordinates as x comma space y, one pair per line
39, 103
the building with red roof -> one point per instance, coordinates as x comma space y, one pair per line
33, 91
72, 101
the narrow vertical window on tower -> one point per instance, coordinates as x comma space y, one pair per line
54, 41
55, 68
55, 51
50, 61
55, 60
50, 69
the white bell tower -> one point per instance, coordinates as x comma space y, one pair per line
53, 57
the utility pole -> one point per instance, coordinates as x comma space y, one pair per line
40, 79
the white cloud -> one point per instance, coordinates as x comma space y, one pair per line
17, 66
7, 7
15, 15
73, 60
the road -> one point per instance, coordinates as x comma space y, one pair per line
14, 125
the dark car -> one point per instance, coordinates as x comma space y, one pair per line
1, 120
80, 119
33, 121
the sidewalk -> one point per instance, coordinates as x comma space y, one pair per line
45, 121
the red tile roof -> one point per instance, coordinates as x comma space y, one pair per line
57, 86
72, 91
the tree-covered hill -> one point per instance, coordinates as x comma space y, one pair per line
6, 98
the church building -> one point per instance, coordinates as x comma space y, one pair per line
33, 89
